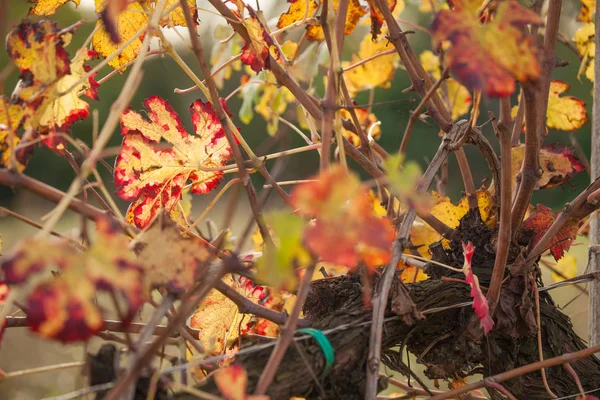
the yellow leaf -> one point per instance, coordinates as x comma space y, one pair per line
368, 123
567, 266
584, 40
176, 17
48, 7
9, 121
454, 95
298, 11
355, 13
218, 318
566, 113
423, 235
588, 8
411, 274
128, 23
378, 72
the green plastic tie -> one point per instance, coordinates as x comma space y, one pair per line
326, 347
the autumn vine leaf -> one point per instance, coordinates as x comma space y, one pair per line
345, 231
42, 103
298, 11
378, 72
423, 236
355, 12
218, 320
233, 383
48, 7
557, 163
538, 223
128, 21
170, 259
584, 40
277, 267
588, 8
63, 306
480, 303
500, 45
368, 123
255, 53
455, 96
377, 18
158, 157
566, 113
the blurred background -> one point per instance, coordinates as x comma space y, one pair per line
22, 350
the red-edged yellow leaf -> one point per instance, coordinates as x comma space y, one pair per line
538, 223
588, 8
63, 306
355, 12
558, 164
378, 72
128, 22
566, 113
298, 11
377, 19
345, 231
60, 113
217, 318
151, 174
37, 49
455, 96
488, 56
169, 259
480, 303
255, 53
586, 46
48, 7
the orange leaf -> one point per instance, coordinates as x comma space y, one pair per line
355, 13
558, 164
480, 303
566, 113
153, 176
366, 120
538, 223
488, 56
345, 231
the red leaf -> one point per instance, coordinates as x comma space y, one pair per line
538, 223
480, 303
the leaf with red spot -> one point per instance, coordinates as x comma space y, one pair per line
158, 157
492, 55
480, 303
63, 306
255, 53
345, 231
538, 223
558, 165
